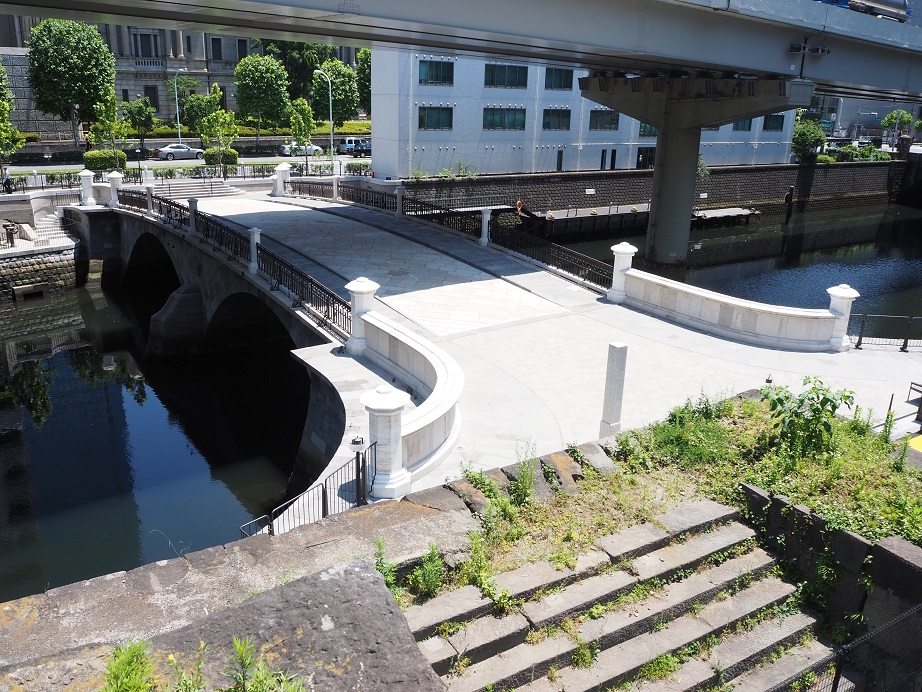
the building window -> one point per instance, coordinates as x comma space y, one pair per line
603, 120
505, 76
243, 48
217, 49
503, 118
743, 125
151, 93
773, 123
146, 45
124, 95
188, 45
435, 118
647, 130
646, 157
436, 72
555, 119
558, 78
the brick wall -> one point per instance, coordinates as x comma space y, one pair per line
54, 270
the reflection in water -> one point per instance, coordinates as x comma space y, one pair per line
108, 462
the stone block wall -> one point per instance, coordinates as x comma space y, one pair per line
24, 116
53, 270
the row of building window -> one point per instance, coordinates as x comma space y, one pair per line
441, 73
442, 118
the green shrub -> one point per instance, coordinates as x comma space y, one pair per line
825, 158
30, 137
358, 168
104, 159
129, 669
427, 579
229, 156
168, 131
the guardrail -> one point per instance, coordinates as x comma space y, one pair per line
370, 198
466, 222
309, 188
886, 330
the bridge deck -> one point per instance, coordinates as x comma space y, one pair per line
533, 346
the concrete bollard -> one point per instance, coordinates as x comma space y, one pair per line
400, 190
115, 181
86, 183
150, 198
624, 256
614, 390
485, 227
282, 174
193, 209
362, 293
841, 298
385, 410
336, 187
254, 243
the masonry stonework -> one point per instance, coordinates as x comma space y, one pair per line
53, 271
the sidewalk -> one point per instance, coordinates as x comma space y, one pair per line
533, 346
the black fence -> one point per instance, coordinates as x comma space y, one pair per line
887, 658
885, 330
309, 188
347, 487
370, 198
466, 222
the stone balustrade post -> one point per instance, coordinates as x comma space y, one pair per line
400, 191
254, 242
385, 409
624, 256
362, 293
841, 298
193, 208
86, 183
282, 174
115, 182
150, 198
614, 390
485, 226
336, 187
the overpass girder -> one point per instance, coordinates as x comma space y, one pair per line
696, 102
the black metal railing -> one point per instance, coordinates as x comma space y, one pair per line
886, 330
331, 309
466, 222
62, 199
886, 658
347, 487
370, 198
591, 270
133, 199
222, 237
309, 188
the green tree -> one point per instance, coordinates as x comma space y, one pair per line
29, 388
198, 106
221, 129
345, 92
896, 120
140, 116
302, 124
184, 86
9, 135
262, 89
299, 60
808, 135
363, 79
108, 128
71, 69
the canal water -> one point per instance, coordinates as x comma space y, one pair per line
877, 250
108, 462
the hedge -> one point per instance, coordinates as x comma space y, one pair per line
104, 159
211, 156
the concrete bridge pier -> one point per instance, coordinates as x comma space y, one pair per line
178, 327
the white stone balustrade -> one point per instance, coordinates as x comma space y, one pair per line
86, 183
282, 174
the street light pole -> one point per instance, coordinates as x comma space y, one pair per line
176, 96
330, 92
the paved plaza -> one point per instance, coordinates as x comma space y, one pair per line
533, 346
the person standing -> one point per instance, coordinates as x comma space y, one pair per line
7, 183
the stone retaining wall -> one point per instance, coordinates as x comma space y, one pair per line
51, 272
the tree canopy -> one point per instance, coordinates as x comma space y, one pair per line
345, 92
302, 124
262, 89
363, 79
71, 69
808, 135
299, 60
108, 129
140, 115
199, 106
219, 128
896, 119
9, 135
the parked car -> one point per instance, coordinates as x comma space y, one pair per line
361, 150
347, 144
295, 150
179, 151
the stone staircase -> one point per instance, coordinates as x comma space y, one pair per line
49, 230
685, 602
184, 188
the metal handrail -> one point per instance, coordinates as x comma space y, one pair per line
887, 330
370, 198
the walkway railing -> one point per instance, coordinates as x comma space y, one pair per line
886, 330
345, 488
309, 188
333, 312
370, 198
880, 660
466, 222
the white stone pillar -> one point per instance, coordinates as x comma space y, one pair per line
282, 173
86, 182
385, 408
254, 242
614, 390
362, 293
335, 187
193, 208
624, 255
115, 181
485, 227
400, 190
841, 298
180, 47
150, 198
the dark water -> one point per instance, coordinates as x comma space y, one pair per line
876, 250
108, 462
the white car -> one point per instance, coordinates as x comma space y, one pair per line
295, 150
179, 151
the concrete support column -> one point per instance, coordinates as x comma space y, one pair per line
335, 187
180, 48
841, 298
254, 243
86, 183
115, 181
624, 256
150, 198
400, 191
170, 37
282, 173
674, 175
485, 227
614, 390
362, 293
127, 48
385, 410
193, 209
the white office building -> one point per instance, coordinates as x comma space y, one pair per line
435, 112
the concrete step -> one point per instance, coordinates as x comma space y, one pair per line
800, 659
